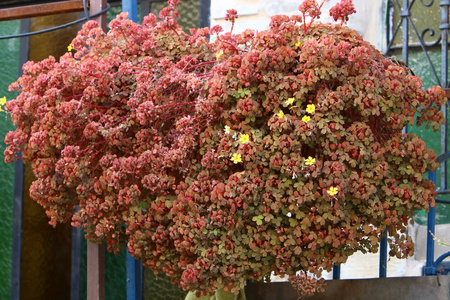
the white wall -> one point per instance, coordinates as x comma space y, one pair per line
255, 14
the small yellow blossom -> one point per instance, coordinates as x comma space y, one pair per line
310, 108
219, 54
227, 129
70, 48
306, 119
236, 158
289, 101
280, 114
310, 161
298, 44
2, 102
244, 138
332, 191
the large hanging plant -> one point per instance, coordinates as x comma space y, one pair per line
279, 151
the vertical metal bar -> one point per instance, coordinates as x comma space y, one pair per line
18, 184
145, 9
76, 264
336, 272
134, 267
131, 277
134, 278
17, 229
444, 145
431, 227
130, 6
205, 13
444, 27
405, 13
388, 26
383, 255
405, 19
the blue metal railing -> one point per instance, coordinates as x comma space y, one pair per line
431, 265
431, 229
383, 256
131, 7
134, 278
134, 267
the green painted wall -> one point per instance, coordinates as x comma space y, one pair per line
9, 60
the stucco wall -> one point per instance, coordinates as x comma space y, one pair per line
255, 14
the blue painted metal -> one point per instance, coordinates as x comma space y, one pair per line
134, 278
442, 201
405, 14
130, 6
443, 157
383, 255
431, 266
444, 28
336, 272
205, 13
441, 259
75, 272
134, 267
131, 277
431, 227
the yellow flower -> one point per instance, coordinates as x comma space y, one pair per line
3, 100
219, 54
310, 108
306, 119
289, 101
227, 129
244, 138
332, 191
70, 48
280, 114
298, 44
310, 161
236, 158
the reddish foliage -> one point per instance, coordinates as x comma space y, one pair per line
342, 10
138, 128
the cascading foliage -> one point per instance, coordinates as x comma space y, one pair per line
279, 151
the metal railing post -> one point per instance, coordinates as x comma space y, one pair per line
405, 16
336, 272
130, 6
383, 255
431, 227
134, 278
